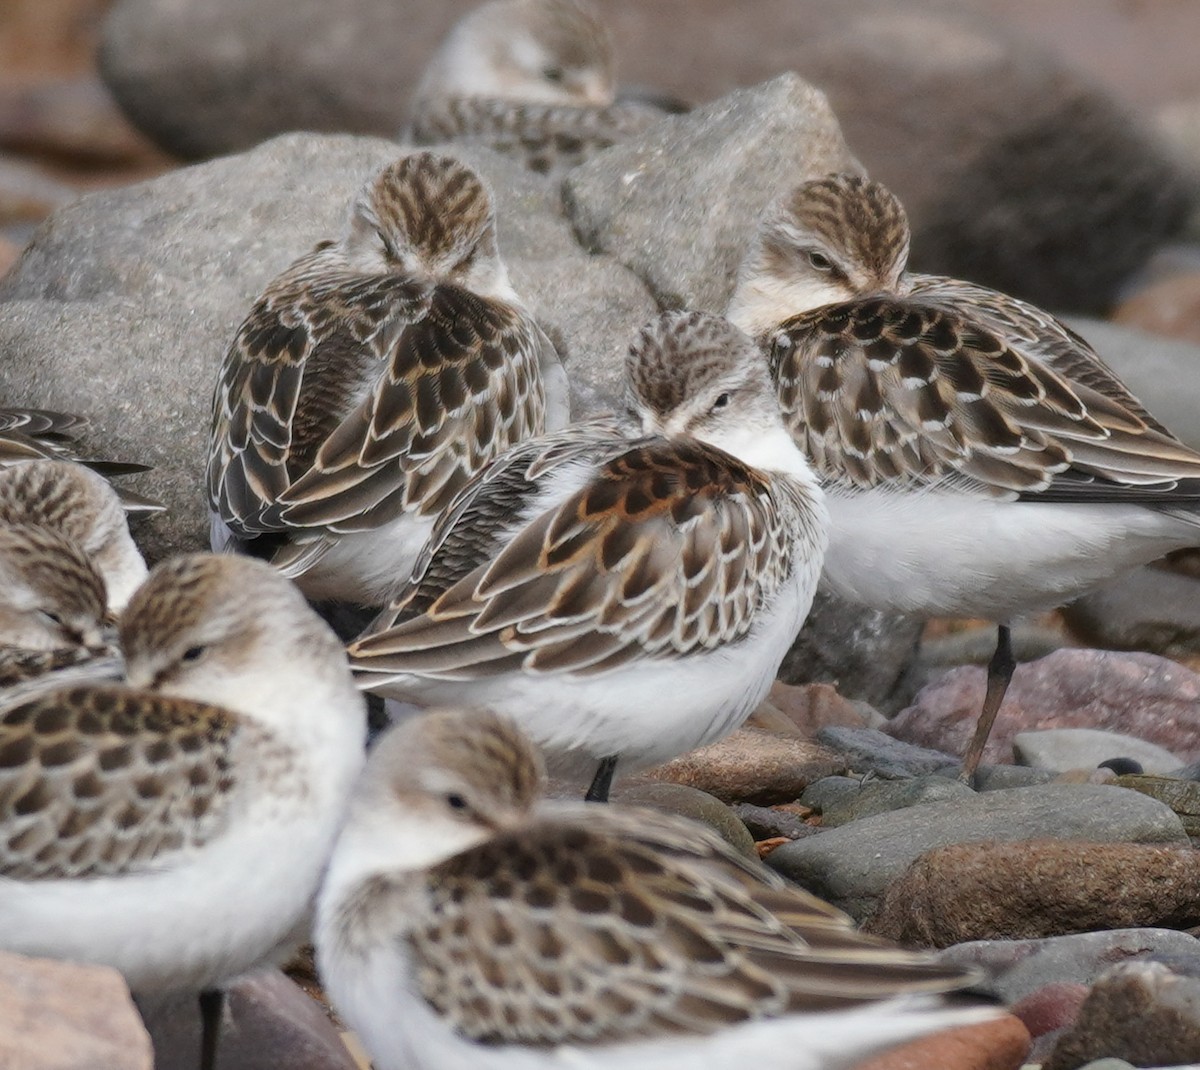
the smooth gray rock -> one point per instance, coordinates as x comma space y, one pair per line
766, 822
868, 750
1060, 749
851, 866
1018, 968
862, 800
1152, 609
220, 76
123, 305
679, 205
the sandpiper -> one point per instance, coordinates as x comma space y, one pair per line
978, 456
623, 601
533, 79
371, 380
176, 826
465, 925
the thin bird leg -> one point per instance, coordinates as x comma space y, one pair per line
212, 1002
1000, 671
602, 781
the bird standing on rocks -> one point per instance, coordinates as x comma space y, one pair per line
529, 78
978, 457
175, 827
623, 601
371, 380
466, 925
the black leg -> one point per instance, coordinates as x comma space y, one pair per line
212, 1002
602, 781
1000, 671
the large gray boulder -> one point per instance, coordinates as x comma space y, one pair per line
123, 304
685, 229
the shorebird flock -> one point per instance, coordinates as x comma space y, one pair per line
185, 792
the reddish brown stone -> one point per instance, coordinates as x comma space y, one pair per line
1139, 694
811, 707
1051, 1007
998, 1045
752, 766
1038, 888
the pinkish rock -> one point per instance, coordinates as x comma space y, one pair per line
998, 1045
752, 766
66, 1016
811, 707
1051, 1007
1138, 694
1169, 307
1038, 888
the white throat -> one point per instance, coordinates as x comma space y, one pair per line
378, 841
769, 449
762, 302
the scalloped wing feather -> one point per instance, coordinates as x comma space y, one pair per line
890, 390
596, 928
638, 563
461, 385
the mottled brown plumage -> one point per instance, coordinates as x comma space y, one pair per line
546, 138
91, 778
532, 79
896, 379
375, 376
671, 548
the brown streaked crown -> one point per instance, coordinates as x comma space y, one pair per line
850, 215
434, 205
485, 755
64, 497
678, 355
207, 599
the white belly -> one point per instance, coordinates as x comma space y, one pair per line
367, 567
238, 902
941, 554
648, 712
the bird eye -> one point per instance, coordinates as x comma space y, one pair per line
819, 261
194, 653
456, 801
722, 402
553, 74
